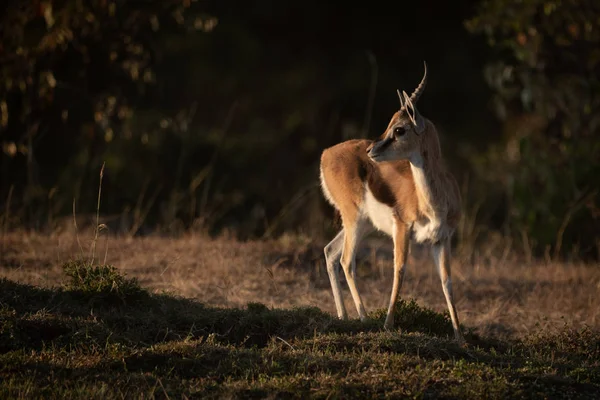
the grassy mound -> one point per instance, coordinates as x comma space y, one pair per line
101, 335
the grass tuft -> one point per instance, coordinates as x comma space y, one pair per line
411, 317
101, 281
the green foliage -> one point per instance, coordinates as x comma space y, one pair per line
545, 81
73, 76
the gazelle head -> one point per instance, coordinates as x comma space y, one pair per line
403, 134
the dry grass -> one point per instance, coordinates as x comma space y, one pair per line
504, 300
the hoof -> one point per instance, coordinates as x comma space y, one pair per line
388, 325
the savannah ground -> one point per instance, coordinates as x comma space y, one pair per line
219, 318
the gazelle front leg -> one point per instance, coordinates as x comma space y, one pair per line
400, 236
441, 257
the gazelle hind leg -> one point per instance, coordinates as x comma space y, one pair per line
441, 257
333, 252
353, 233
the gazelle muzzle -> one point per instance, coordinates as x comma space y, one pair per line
376, 148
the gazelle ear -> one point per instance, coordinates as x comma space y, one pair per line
402, 105
413, 114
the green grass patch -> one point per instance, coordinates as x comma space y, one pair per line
101, 335
98, 278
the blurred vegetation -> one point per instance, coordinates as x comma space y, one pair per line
212, 117
545, 73
79, 87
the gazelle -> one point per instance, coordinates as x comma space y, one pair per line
397, 184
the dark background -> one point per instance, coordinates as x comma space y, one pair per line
211, 115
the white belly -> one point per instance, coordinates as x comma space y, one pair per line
382, 218
381, 215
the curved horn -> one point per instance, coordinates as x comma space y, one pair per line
419, 90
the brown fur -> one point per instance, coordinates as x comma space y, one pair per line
347, 168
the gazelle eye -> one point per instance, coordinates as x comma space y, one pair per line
399, 131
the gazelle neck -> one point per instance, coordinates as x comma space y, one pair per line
428, 177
